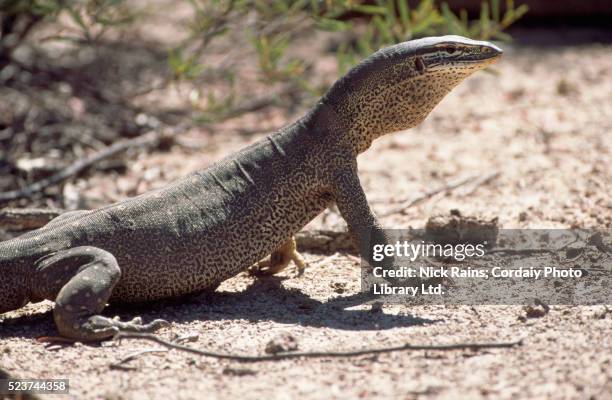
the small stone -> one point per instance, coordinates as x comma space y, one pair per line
565, 88
602, 314
573, 252
455, 228
536, 309
141, 119
282, 343
239, 371
338, 287
376, 307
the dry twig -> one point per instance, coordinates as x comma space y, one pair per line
474, 180
313, 354
132, 356
149, 139
522, 251
476, 183
27, 218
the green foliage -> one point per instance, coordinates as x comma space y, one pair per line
95, 17
18, 18
91, 19
393, 21
365, 27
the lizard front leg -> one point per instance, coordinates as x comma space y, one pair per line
279, 260
80, 281
362, 223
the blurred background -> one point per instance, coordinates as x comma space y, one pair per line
79, 76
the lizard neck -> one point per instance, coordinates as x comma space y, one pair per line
369, 105
323, 126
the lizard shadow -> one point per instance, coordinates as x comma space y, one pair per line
263, 300
268, 300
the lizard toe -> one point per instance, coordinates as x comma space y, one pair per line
98, 322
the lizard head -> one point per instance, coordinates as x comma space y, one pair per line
396, 87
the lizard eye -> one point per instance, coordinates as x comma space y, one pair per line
450, 49
419, 65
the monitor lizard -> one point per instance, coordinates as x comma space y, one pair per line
212, 224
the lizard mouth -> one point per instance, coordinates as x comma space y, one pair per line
479, 57
488, 54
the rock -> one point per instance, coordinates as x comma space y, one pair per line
456, 228
282, 343
536, 309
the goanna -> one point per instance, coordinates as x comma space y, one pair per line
209, 226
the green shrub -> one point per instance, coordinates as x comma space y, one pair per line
279, 23
92, 17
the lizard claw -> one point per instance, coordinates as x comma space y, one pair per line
135, 325
279, 260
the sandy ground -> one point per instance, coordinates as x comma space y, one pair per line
543, 121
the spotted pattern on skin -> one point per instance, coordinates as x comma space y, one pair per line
207, 227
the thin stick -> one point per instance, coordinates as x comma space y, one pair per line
312, 354
324, 241
429, 194
27, 218
521, 251
133, 356
482, 180
148, 139
475, 180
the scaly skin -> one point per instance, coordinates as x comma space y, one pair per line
207, 227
